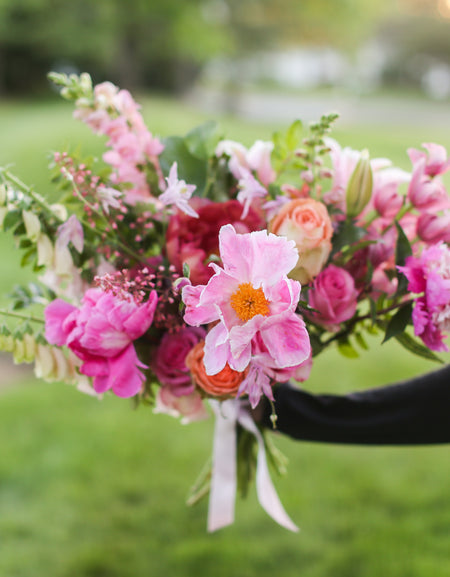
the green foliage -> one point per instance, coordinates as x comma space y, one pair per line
402, 251
413, 346
398, 322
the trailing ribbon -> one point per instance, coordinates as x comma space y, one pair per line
224, 467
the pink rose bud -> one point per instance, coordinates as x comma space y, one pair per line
333, 296
359, 188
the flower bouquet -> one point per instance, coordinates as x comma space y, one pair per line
193, 274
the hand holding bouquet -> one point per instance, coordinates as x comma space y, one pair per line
195, 269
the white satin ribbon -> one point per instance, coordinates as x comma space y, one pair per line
224, 480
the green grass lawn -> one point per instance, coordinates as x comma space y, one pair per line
93, 488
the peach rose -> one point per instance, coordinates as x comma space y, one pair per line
224, 384
307, 223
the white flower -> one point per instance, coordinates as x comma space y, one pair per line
178, 192
108, 197
250, 189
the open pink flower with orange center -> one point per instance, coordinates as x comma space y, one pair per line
252, 301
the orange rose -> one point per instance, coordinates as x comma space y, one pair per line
224, 384
307, 223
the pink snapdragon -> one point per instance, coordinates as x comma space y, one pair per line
101, 333
429, 276
114, 113
250, 299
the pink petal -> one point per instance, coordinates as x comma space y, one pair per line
195, 313
56, 330
125, 377
217, 349
286, 339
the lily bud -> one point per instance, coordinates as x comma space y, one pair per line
359, 188
32, 225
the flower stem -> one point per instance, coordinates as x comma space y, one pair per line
34, 195
22, 317
356, 320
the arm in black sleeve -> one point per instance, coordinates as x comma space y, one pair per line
413, 412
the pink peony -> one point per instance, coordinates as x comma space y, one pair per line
250, 302
101, 333
429, 276
193, 240
169, 363
333, 296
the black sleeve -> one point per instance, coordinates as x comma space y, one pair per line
413, 412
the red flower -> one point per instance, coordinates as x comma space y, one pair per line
193, 240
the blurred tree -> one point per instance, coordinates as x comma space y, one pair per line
164, 43
133, 42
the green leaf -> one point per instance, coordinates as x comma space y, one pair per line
402, 252
347, 349
316, 345
202, 140
413, 346
348, 233
398, 322
186, 270
12, 218
361, 341
191, 169
294, 135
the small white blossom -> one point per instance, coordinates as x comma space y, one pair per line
178, 192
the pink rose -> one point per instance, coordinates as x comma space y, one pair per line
193, 240
169, 363
307, 223
190, 407
333, 296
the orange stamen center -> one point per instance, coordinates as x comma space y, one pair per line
248, 302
